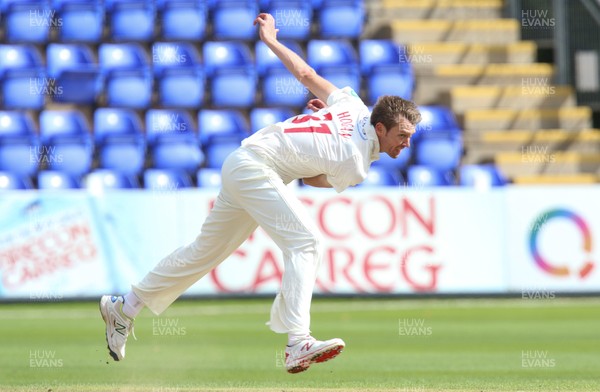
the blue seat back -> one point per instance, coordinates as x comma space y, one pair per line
425, 176
341, 18
53, 179
61, 57
481, 176
170, 55
221, 125
331, 53
103, 179
263, 117
122, 56
219, 55
234, 19
164, 180
163, 124
116, 122
11, 181
63, 124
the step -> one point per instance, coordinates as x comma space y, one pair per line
514, 164
434, 85
441, 9
429, 54
557, 179
483, 146
575, 118
532, 93
488, 31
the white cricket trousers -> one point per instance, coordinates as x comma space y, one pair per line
252, 194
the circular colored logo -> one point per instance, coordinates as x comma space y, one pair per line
558, 269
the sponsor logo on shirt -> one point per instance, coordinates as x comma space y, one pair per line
362, 123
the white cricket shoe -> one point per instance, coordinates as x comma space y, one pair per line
306, 352
118, 325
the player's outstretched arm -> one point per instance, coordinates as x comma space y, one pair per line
318, 85
319, 181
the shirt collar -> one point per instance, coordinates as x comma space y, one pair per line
374, 141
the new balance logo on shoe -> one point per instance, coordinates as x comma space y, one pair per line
307, 346
120, 328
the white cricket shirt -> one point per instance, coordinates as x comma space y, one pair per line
337, 141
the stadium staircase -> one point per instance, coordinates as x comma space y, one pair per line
468, 57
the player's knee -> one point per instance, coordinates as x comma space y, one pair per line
313, 242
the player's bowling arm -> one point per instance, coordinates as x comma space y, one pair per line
319, 181
305, 74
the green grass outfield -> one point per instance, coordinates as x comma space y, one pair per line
395, 345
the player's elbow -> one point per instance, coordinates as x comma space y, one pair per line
306, 74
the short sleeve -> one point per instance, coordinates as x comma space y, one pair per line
348, 174
345, 94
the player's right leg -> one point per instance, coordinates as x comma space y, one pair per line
225, 229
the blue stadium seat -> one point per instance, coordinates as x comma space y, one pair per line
54, 179
216, 153
29, 21
233, 19
263, 117
209, 178
81, 20
19, 146
131, 20
336, 61
399, 163
425, 176
22, 77
75, 71
385, 73
102, 179
341, 18
66, 141
179, 74
438, 140
218, 126
11, 181
439, 151
281, 88
225, 54
164, 180
436, 120
127, 75
481, 176
183, 19
173, 140
119, 139
292, 18
381, 176
231, 70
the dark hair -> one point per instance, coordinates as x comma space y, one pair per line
389, 107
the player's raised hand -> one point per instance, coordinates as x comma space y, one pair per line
266, 27
315, 104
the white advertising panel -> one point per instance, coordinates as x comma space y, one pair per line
384, 241
552, 236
